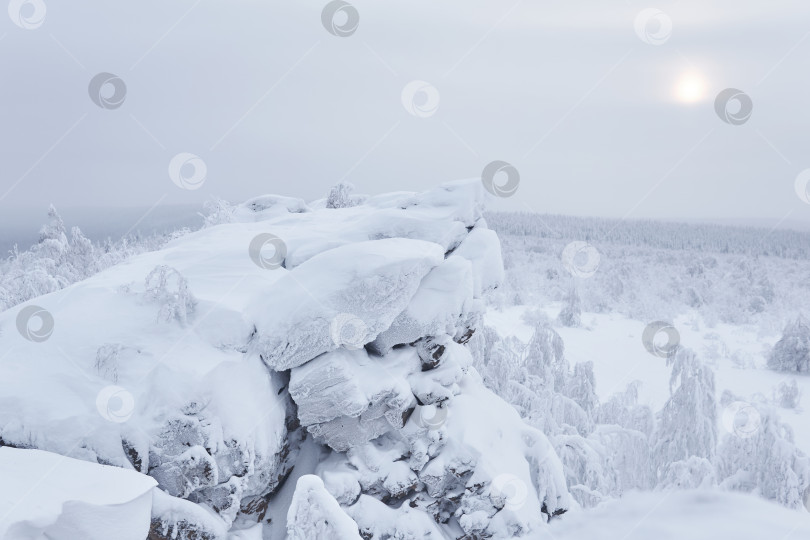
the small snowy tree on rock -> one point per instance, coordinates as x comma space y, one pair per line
169, 287
340, 196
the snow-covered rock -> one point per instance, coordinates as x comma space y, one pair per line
366, 284
205, 363
315, 514
179, 519
478, 248
441, 300
45, 495
346, 398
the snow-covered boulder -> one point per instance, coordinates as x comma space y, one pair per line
124, 380
346, 398
482, 248
45, 495
315, 514
444, 296
179, 519
378, 520
365, 285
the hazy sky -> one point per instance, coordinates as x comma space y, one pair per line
596, 120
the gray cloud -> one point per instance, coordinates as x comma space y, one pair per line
566, 92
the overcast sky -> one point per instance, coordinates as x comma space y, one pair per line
600, 113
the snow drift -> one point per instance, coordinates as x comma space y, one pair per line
76, 500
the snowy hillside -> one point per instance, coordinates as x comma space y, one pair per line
366, 368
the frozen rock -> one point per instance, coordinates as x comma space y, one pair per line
178, 519
206, 372
378, 520
314, 513
483, 249
187, 472
366, 284
438, 306
345, 397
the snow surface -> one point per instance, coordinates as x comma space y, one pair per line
45, 495
676, 515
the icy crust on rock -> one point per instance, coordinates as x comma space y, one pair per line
77, 499
200, 367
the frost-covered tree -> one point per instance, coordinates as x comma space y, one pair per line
217, 212
760, 455
168, 287
57, 260
622, 409
692, 473
788, 395
688, 422
792, 352
341, 196
571, 313
581, 387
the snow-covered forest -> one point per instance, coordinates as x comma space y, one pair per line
711, 281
